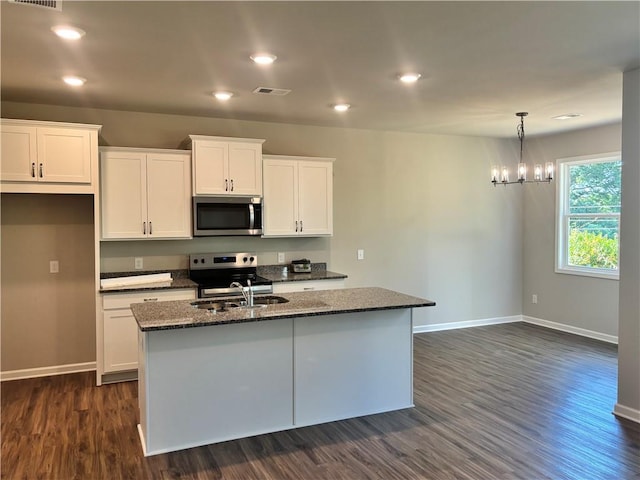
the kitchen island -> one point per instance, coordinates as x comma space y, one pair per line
207, 377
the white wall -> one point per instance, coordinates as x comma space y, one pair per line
576, 301
629, 345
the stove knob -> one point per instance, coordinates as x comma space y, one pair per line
195, 260
244, 259
202, 260
252, 259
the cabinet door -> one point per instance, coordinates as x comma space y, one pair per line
168, 195
124, 195
19, 155
121, 340
64, 155
245, 169
280, 210
210, 168
315, 198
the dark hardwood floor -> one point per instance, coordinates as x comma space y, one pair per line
512, 401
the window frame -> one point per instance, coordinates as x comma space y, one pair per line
562, 217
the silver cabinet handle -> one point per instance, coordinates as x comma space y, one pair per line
301, 225
150, 228
150, 300
232, 184
144, 228
41, 172
226, 185
296, 225
33, 170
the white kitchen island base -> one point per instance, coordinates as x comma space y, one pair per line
222, 382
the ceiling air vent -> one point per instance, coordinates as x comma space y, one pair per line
50, 4
271, 91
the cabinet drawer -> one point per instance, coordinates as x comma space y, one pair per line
302, 286
112, 301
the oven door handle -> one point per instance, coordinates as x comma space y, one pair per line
225, 292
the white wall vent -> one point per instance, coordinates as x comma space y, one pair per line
50, 4
271, 91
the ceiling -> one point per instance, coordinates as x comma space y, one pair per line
480, 61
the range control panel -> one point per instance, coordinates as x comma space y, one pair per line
198, 261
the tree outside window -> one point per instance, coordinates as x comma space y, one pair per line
589, 198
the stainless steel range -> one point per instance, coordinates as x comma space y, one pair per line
215, 272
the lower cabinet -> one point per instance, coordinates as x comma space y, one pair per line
120, 330
306, 285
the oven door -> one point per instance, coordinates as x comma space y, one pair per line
218, 216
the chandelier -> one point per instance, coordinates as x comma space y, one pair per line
501, 174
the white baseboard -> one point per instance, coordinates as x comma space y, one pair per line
626, 412
571, 329
47, 371
436, 327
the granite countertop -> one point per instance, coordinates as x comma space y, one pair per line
180, 279
278, 274
181, 314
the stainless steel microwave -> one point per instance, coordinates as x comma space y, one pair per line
227, 215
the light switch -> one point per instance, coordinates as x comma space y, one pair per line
137, 263
54, 266
280, 257
360, 254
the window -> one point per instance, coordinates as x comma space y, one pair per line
588, 215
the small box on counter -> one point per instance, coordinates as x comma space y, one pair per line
301, 266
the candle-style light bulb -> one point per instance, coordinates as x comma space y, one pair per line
522, 172
495, 171
537, 172
505, 174
548, 170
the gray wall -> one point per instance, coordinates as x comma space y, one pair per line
629, 345
421, 206
47, 319
582, 302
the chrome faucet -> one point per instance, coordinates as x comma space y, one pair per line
247, 292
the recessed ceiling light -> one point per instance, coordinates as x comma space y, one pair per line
74, 81
341, 107
263, 58
67, 32
410, 77
223, 96
567, 116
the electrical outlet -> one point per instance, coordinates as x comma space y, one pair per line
280, 257
360, 254
534, 298
54, 266
137, 263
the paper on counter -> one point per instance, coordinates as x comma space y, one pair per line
153, 279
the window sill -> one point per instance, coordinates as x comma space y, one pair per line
591, 272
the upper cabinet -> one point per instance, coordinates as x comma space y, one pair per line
145, 193
226, 166
298, 196
48, 157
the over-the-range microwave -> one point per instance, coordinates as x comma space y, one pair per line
227, 215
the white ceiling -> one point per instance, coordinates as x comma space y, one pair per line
481, 61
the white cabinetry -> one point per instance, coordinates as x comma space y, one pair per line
145, 193
48, 157
119, 327
307, 285
226, 166
298, 196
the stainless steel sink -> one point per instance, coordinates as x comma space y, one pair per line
269, 300
226, 304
